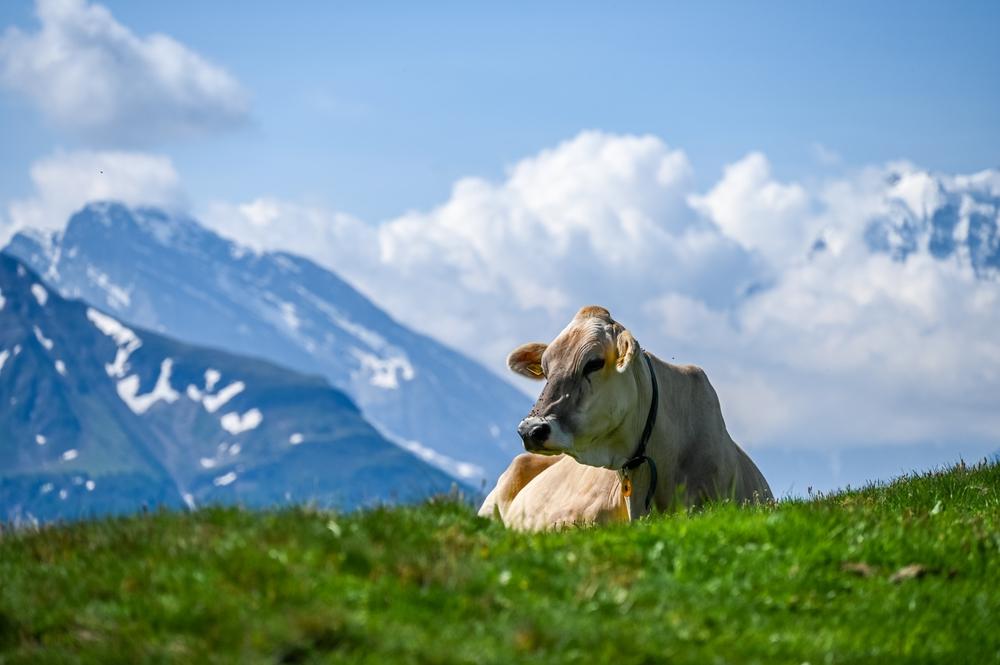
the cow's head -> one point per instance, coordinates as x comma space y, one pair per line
586, 407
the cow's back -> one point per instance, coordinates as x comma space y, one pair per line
709, 463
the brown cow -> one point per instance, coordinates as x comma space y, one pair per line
654, 431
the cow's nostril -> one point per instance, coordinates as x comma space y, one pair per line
539, 434
534, 433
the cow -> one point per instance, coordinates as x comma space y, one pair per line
630, 434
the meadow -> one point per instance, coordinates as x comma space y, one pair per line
903, 572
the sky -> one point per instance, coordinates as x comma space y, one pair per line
713, 173
377, 108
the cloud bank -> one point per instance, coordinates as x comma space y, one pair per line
859, 310
93, 77
65, 181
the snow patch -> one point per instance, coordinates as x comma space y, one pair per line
128, 389
289, 316
235, 449
117, 296
236, 424
3, 358
3, 301
212, 377
46, 488
188, 500
296, 439
70, 455
385, 372
90, 485
54, 254
63, 494
42, 339
434, 458
367, 336
222, 481
123, 337
41, 295
40, 439
207, 463
213, 402
431, 456
61, 367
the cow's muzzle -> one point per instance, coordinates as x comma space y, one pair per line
534, 433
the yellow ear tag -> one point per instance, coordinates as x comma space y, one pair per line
626, 487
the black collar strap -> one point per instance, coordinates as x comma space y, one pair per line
640, 455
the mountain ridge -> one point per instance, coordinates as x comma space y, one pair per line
104, 417
166, 272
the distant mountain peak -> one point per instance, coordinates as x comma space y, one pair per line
101, 416
951, 219
165, 272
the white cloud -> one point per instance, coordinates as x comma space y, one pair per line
93, 76
815, 344
64, 182
269, 223
582, 222
758, 212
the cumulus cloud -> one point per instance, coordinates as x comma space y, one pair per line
880, 333
64, 182
859, 310
759, 213
325, 235
582, 222
91, 75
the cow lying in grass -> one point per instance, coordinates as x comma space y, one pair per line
616, 433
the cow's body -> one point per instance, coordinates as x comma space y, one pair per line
596, 417
539, 492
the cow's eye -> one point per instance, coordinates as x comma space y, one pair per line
593, 366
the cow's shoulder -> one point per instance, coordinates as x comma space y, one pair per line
521, 471
568, 493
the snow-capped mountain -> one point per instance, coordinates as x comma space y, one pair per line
955, 218
168, 273
97, 416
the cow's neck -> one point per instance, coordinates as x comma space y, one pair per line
647, 457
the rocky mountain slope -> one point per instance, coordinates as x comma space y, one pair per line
168, 273
97, 416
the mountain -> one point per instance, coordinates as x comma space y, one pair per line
168, 273
99, 417
951, 218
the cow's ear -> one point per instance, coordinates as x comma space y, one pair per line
627, 347
526, 360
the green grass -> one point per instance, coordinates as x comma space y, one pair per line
435, 584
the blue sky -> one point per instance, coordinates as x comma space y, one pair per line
481, 174
379, 108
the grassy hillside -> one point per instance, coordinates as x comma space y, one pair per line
908, 572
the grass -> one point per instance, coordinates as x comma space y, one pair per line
903, 573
